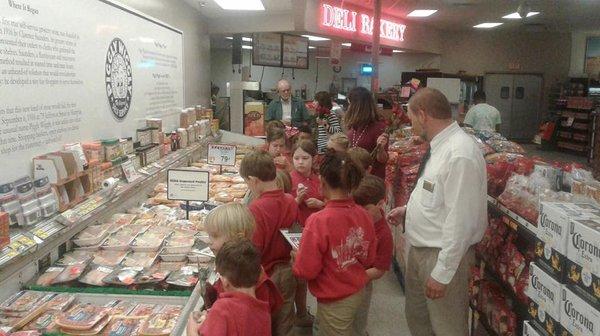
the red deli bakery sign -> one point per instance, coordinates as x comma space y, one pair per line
352, 21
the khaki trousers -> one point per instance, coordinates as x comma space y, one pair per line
447, 316
359, 327
284, 280
337, 318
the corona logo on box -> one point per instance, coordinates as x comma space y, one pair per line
353, 21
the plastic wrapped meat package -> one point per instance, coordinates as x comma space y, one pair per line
158, 324
95, 275
24, 301
70, 273
187, 276
124, 276
121, 239
45, 323
151, 240
120, 307
123, 326
141, 259
151, 275
46, 278
92, 235
179, 244
109, 258
145, 310
74, 257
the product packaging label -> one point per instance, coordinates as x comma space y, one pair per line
583, 266
530, 330
577, 316
544, 292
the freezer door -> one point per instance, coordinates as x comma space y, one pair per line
499, 92
527, 91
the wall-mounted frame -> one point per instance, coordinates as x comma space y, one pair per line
592, 57
267, 49
294, 51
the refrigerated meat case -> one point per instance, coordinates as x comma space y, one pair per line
43, 244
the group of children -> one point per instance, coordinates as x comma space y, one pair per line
345, 245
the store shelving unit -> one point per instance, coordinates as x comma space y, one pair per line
574, 128
33, 249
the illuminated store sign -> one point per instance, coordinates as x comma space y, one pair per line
353, 21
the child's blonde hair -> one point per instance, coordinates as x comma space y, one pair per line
284, 181
232, 220
340, 139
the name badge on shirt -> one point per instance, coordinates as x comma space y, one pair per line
428, 185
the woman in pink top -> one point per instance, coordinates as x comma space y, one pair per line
365, 129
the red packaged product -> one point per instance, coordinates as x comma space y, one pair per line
82, 317
4, 223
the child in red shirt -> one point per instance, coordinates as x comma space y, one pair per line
276, 146
370, 194
237, 312
230, 222
273, 210
337, 246
306, 186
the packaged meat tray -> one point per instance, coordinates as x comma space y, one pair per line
123, 219
45, 323
158, 324
109, 258
173, 257
95, 274
119, 308
61, 302
70, 273
151, 240
152, 275
144, 310
24, 301
141, 259
82, 317
123, 326
95, 330
185, 277
26, 333
77, 256
122, 276
92, 235
48, 276
179, 245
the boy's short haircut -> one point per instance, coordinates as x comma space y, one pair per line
260, 165
232, 220
371, 190
239, 262
361, 156
340, 139
284, 181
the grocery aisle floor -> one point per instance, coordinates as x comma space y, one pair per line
533, 150
386, 316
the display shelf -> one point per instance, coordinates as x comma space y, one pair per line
480, 317
89, 212
513, 220
519, 307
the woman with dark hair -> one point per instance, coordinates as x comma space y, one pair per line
327, 121
365, 129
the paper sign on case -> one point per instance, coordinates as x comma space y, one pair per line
187, 185
221, 154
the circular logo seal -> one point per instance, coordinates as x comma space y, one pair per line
118, 78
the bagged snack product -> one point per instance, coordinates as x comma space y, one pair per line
158, 324
94, 276
48, 276
82, 317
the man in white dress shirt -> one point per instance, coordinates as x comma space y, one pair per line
445, 216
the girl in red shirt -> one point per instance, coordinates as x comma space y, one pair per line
276, 146
338, 244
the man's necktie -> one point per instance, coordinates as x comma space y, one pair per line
424, 162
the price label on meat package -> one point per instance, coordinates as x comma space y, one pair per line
221, 154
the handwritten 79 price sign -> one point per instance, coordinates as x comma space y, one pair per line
221, 154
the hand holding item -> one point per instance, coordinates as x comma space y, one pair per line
396, 216
382, 140
314, 203
434, 290
194, 322
301, 193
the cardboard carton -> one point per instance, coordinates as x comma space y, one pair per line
544, 306
583, 259
577, 316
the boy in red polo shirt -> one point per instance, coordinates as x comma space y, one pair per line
273, 210
237, 312
370, 194
337, 246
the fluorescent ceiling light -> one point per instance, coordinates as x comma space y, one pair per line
311, 47
256, 5
347, 44
397, 51
245, 39
422, 12
246, 47
516, 15
486, 25
315, 38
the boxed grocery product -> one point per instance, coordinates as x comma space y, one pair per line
583, 259
4, 235
530, 328
544, 292
577, 316
553, 231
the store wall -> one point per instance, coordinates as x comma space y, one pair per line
480, 52
578, 47
390, 70
196, 43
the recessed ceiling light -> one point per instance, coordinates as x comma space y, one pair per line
422, 12
397, 51
315, 38
246, 47
347, 44
486, 25
516, 15
256, 5
245, 39
311, 47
